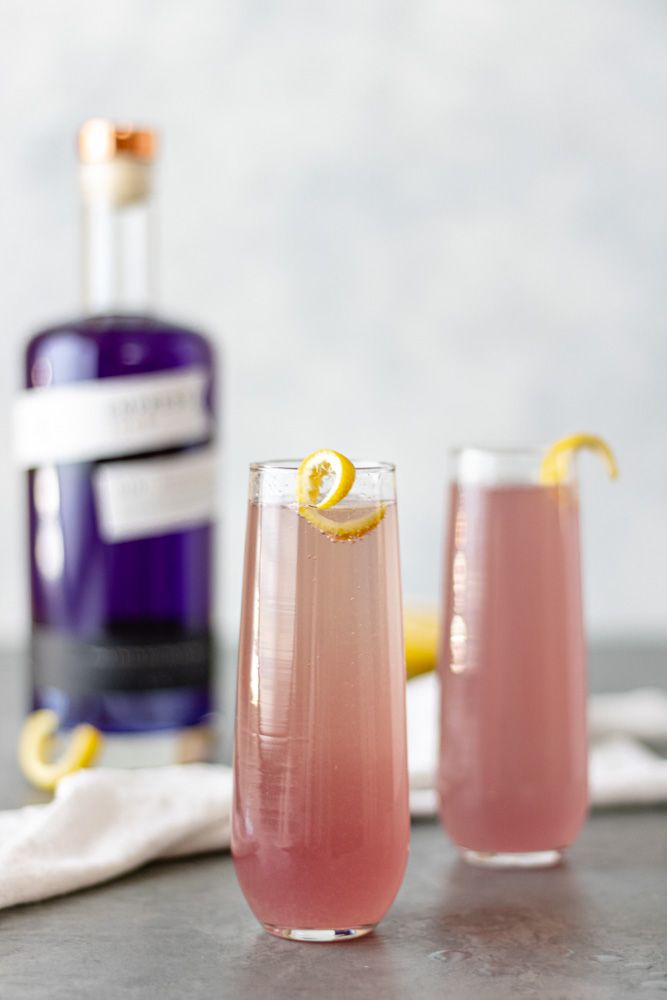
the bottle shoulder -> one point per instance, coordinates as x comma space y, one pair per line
106, 346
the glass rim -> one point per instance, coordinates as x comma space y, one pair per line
292, 464
496, 466
501, 451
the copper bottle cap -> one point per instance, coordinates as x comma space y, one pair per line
100, 140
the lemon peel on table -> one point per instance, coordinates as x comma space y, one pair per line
36, 740
556, 463
421, 641
329, 471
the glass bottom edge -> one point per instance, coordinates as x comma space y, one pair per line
319, 935
513, 859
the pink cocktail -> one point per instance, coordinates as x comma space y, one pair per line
513, 763
321, 822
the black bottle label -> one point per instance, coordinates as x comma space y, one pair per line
121, 663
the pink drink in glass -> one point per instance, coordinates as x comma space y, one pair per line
321, 822
513, 766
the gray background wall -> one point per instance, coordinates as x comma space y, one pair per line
410, 224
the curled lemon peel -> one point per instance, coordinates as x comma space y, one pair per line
557, 461
328, 465
357, 527
36, 741
313, 471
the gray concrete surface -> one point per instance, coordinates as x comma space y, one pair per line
594, 929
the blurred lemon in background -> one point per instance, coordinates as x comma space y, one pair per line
421, 640
37, 741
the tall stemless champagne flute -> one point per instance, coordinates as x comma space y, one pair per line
320, 825
513, 761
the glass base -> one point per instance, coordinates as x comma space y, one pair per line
507, 859
319, 936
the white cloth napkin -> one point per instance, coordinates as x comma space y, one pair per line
105, 822
640, 714
622, 769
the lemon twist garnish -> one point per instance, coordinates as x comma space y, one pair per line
36, 741
357, 527
319, 466
314, 472
555, 466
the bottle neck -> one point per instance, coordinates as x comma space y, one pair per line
117, 250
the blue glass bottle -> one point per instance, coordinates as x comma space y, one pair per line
116, 429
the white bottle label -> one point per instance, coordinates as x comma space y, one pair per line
101, 418
154, 496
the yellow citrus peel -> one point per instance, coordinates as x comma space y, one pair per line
322, 480
322, 465
557, 462
36, 741
356, 527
